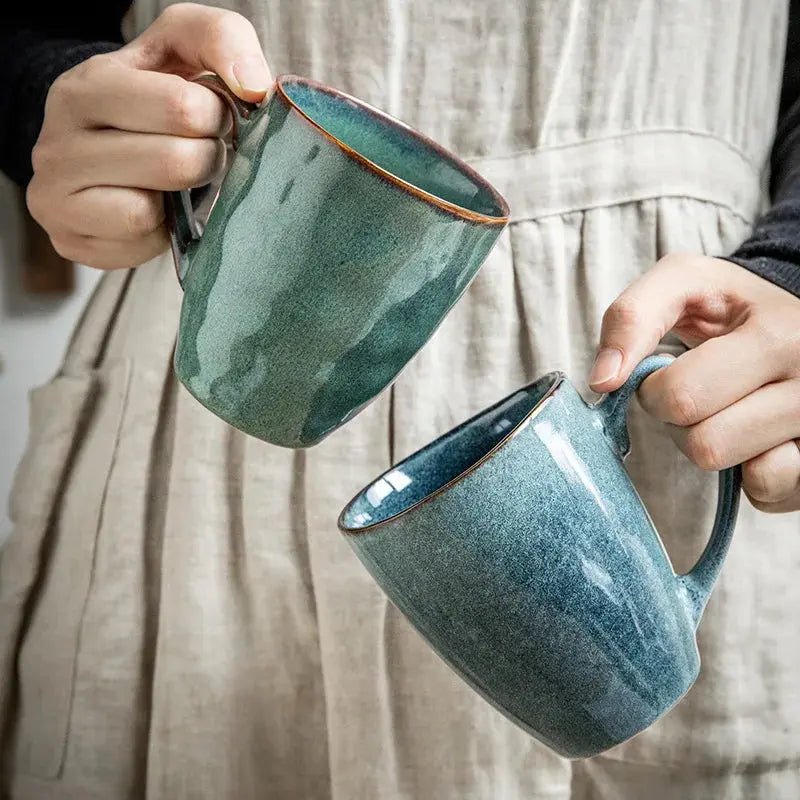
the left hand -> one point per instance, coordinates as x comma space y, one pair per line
735, 397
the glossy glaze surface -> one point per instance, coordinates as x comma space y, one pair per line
537, 574
317, 278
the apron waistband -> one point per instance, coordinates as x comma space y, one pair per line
626, 168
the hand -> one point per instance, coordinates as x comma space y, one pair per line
121, 128
735, 397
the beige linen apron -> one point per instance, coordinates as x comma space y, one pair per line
179, 617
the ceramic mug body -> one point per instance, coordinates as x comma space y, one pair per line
518, 547
338, 242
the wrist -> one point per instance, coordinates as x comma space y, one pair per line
781, 273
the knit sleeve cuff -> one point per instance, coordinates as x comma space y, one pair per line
773, 248
25, 94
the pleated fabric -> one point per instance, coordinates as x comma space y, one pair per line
179, 617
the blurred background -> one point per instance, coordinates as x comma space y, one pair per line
41, 298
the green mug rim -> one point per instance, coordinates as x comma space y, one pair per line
422, 194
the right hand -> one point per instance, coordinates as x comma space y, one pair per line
122, 128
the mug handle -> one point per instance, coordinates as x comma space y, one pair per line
184, 227
695, 585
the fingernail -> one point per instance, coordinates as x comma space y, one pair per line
251, 76
606, 365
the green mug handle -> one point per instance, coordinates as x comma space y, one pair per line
696, 585
185, 229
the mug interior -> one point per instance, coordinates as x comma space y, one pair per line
394, 147
444, 461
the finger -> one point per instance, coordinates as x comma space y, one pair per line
640, 317
773, 477
755, 424
144, 101
783, 507
107, 254
716, 374
112, 212
142, 160
189, 37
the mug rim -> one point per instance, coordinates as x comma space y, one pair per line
450, 207
557, 379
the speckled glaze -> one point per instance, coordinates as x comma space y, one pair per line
338, 242
518, 547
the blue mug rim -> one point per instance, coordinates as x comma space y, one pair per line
556, 378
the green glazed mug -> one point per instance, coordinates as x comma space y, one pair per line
338, 241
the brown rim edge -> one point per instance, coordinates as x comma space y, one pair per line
452, 208
557, 378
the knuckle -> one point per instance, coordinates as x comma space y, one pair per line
759, 478
63, 87
70, 248
704, 449
623, 312
71, 84
35, 200
187, 109
89, 68
181, 108
669, 261
218, 27
182, 165
192, 162
59, 99
678, 261
142, 216
44, 157
681, 405
176, 11
771, 332
223, 24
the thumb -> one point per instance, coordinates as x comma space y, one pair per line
639, 318
188, 38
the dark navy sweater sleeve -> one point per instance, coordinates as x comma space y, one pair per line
773, 249
38, 41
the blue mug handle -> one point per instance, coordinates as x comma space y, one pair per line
695, 585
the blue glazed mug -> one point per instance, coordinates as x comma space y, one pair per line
518, 547
338, 242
